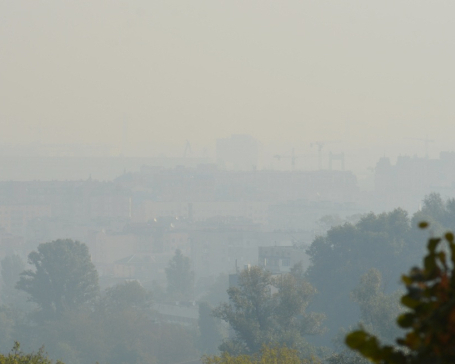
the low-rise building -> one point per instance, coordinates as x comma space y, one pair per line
280, 259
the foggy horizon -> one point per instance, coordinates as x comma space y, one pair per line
288, 73
186, 179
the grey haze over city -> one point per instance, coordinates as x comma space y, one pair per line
159, 157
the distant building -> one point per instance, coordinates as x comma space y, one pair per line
226, 248
256, 211
76, 201
186, 313
302, 215
239, 152
14, 218
406, 183
280, 259
11, 244
107, 247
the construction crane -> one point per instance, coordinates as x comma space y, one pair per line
320, 144
292, 157
426, 141
187, 149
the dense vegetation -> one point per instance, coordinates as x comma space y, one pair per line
429, 319
353, 279
17, 356
260, 316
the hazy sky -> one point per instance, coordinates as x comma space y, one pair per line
365, 72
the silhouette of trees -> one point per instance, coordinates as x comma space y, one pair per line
430, 316
267, 355
346, 252
63, 277
265, 309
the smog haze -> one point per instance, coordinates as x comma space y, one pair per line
155, 74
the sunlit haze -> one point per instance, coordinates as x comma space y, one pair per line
153, 74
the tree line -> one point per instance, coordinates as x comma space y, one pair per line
58, 303
353, 279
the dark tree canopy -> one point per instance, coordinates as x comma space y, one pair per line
439, 213
63, 277
378, 310
430, 317
385, 242
127, 295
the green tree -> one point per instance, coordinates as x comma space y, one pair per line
430, 316
76, 336
16, 356
265, 309
180, 277
338, 259
378, 310
439, 213
115, 334
127, 295
63, 277
267, 355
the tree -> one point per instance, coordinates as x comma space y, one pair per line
265, 309
127, 295
114, 332
430, 316
63, 277
180, 277
439, 213
377, 309
385, 242
16, 356
267, 355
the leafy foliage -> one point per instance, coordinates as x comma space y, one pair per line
64, 277
16, 356
338, 259
265, 309
267, 355
114, 334
430, 319
439, 213
378, 310
127, 295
